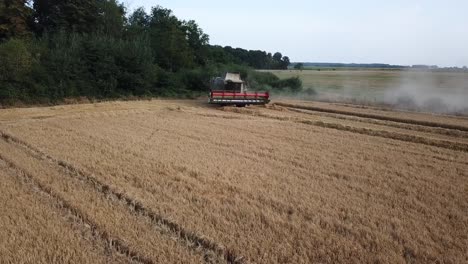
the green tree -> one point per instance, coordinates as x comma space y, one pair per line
15, 66
111, 19
88, 48
68, 15
197, 40
285, 63
16, 60
277, 61
15, 19
169, 40
299, 66
138, 23
65, 73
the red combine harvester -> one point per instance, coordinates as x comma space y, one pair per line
231, 90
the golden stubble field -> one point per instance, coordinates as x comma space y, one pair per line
182, 182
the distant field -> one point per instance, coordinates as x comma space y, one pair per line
438, 91
184, 182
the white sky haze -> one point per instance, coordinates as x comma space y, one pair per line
394, 32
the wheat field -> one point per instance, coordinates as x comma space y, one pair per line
183, 182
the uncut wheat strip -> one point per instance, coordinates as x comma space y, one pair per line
36, 227
280, 138
413, 127
383, 109
378, 133
190, 239
379, 117
393, 135
412, 115
111, 216
455, 136
265, 137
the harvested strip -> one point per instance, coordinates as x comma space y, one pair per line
379, 117
125, 232
212, 252
36, 228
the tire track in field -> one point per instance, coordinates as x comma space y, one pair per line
378, 117
190, 239
412, 127
113, 243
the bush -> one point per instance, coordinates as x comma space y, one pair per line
294, 84
310, 91
259, 80
16, 60
15, 67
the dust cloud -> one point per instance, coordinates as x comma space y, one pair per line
433, 92
436, 92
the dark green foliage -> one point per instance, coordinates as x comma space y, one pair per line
89, 48
69, 15
169, 41
294, 84
16, 60
217, 54
310, 91
138, 24
15, 19
103, 67
111, 20
197, 40
258, 80
299, 66
254, 58
80, 16
16, 63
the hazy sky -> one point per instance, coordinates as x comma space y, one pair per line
363, 31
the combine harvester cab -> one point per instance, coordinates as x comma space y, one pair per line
231, 90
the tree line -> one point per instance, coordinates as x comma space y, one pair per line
56, 49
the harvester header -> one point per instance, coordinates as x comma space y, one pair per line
231, 90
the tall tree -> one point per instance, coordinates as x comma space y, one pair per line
111, 19
277, 57
138, 24
169, 40
285, 63
15, 18
68, 15
299, 66
197, 40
